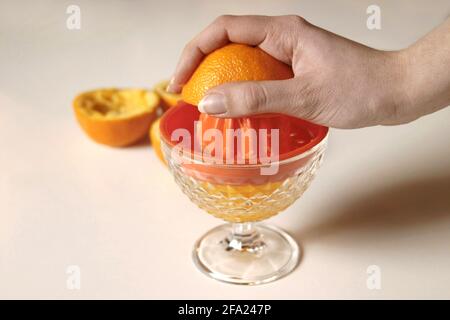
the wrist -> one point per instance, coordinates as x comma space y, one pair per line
395, 98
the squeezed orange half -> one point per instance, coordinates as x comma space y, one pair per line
116, 117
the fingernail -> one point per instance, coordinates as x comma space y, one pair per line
172, 87
213, 103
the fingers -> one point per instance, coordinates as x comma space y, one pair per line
237, 99
251, 30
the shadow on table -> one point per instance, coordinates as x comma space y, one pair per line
407, 205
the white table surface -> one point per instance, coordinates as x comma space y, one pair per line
381, 198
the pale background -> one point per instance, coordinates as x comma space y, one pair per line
381, 198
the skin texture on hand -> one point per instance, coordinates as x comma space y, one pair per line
337, 82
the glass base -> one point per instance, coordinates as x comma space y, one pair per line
246, 254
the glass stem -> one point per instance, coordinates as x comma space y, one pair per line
244, 237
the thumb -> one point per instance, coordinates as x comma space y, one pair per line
238, 99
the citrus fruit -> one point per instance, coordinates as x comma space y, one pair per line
116, 117
155, 139
233, 62
167, 99
236, 62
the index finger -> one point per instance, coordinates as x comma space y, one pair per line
251, 30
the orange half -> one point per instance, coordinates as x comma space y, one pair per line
116, 117
233, 62
168, 99
155, 139
238, 62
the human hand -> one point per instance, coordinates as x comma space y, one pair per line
337, 82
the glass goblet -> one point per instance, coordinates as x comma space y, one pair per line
243, 251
